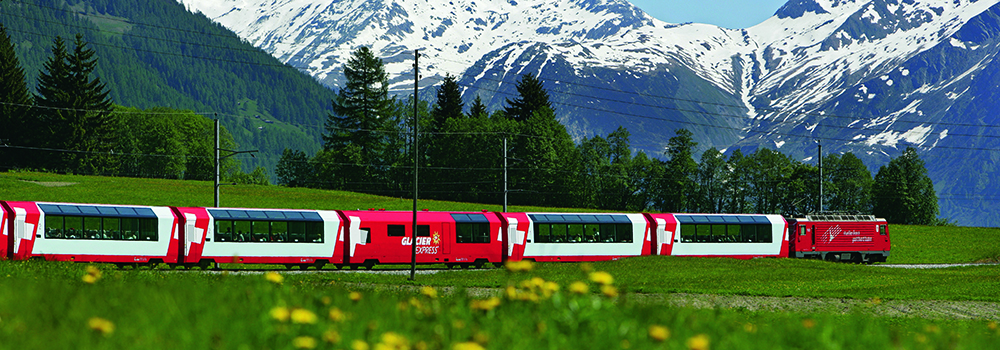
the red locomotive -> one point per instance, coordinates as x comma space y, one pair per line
840, 237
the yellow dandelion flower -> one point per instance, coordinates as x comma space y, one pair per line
429, 291
601, 277
586, 267
549, 288
303, 316
625, 344
932, 329
579, 288
992, 325
280, 313
458, 324
355, 296
395, 341
336, 315
331, 336
698, 342
659, 333
304, 342
808, 323
326, 300
90, 278
485, 305
101, 325
609, 291
518, 266
750, 328
421, 345
359, 344
921, 338
467, 346
511, 292
274, 277
93, 274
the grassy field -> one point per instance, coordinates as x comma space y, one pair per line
554, 306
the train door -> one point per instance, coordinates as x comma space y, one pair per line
447, 237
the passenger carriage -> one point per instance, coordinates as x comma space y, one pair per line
290, 237
741, 236
576, 237
450, 238
121, 234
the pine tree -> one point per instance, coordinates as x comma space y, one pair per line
15, 105
362, 124
677, 188
532, 97
903, 193
449, 103
478, 109
293, 169
78, 114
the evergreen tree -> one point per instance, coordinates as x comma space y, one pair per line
478, 109
78, 115
848, 184
677, 188
903, 193
548, 159
15, 101
293, 169
363, 122
440, 142
449, 103
712, 179
532, 97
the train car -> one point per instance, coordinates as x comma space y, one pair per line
294, 238
121, 234
741, 236
576, 237
840, 237
450, 238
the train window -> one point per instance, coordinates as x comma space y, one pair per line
423, 231
575, 233
558, 233
366, 234
543, 233
704, 233
54, 226
477, 232
763, 233
261, 231
396, 230
92, 228
802, 231
223, 231
279, 231
148, 227
689, 233
74, 227
130, 229
881, 230
314, 232
241, 231
112, 229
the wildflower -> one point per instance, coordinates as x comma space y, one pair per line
992, 325
93, 274
921, 338
932, 329
336, 315
659, 333
304, 342
280, 313
359, 344
586, 267
485, 305
421, 345
579, 288
393, 341
326, 300
481, 337
274, 277
355, 296
601, 277
101, 325
698, 342
609, 291
458, 324
303, 316
519, 266
875, 301
549, 288
750, 328
467, 346
511, 292
429, 291
331, 336
625, 344
808, 323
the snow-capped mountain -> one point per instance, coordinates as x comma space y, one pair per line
868, 76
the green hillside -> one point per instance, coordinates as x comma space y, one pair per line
156, 53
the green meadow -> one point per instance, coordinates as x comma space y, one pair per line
539, 306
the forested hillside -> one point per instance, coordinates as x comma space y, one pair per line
157, 54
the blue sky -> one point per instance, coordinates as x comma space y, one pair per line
723, 13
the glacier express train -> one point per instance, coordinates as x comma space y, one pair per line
205, 237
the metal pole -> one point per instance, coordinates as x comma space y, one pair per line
505, 173
416, 163
217, 161
820, 142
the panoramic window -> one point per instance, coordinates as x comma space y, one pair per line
100, 228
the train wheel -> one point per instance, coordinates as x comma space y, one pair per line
289, 266
319, 264
207, 265
466, 266
355, 266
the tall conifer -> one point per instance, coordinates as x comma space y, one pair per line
15, 101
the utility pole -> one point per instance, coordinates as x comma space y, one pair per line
820, 143
504, 173
416, 163
218, 159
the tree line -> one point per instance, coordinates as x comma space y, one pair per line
462, 157
71, 125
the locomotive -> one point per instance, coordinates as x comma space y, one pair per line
196, 236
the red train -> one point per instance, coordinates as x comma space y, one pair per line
148, 235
